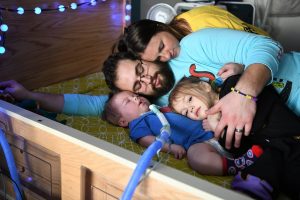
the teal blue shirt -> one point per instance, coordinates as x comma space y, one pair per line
210, 49
79, 104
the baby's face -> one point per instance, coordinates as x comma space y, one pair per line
191, 106
130, 105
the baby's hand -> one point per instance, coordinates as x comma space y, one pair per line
206, 125
211, 122
230, 69
178, 151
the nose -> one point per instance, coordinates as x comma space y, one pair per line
165, 56
191, 109
146, 79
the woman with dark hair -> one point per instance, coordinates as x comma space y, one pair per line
209, 50
137, 36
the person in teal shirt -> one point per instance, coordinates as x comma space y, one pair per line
209, 50
70, 104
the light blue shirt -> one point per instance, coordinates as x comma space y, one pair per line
79, 104
210, 49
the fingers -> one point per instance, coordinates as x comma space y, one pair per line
248, 127
213, 110
179, 155
229, 136
219, 129
222, 70
4, 84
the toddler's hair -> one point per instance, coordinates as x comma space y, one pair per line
190, 86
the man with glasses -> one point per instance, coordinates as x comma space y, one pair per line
124, 72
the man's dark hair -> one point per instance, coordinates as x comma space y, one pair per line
110, 66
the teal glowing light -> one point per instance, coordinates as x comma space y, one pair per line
128, 7
2, 50
37, 10
3, 27
127, 18
73, 6
20, 10
61, 8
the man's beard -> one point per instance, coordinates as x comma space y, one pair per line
167, 82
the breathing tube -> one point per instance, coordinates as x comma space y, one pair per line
11, 166
147, 156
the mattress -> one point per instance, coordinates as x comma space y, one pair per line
94, 84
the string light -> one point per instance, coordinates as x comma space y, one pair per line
73, 6
61, 8
37, 10
20, 10
2, 50
3, 27
128, 8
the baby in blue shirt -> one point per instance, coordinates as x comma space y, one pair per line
127, 109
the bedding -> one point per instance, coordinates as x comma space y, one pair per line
94, 84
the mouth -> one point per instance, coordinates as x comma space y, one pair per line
141, 103
197, 112
156, 82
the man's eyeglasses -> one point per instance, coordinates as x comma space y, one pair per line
139, 71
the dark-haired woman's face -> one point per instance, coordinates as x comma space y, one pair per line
163, 46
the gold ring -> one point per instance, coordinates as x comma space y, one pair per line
239, 130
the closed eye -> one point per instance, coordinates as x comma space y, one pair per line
161, 47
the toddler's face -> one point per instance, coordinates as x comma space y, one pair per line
191, 106
130, 105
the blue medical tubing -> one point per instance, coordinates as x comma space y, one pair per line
11, 165
147, 156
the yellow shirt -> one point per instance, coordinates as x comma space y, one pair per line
214, 16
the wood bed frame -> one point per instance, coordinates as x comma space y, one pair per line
59, 162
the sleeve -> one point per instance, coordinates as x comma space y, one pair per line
220, 46
138, 129
79, 104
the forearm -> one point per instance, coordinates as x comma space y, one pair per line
254, 79
148, 140
49, 102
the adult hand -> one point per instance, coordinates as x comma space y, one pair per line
14, 89
230, 69
6, 97
237, 113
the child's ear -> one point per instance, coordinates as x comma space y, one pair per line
123, 122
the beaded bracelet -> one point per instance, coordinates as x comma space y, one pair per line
248, 96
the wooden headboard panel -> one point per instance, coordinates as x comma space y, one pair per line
55, 46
